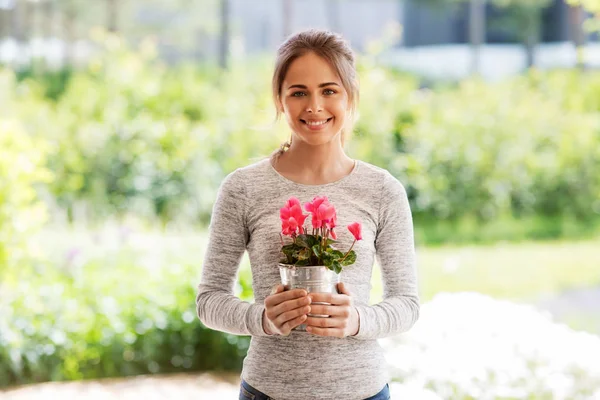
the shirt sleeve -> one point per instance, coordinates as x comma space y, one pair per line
395, 252
217, 307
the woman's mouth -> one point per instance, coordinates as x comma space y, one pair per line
316, 125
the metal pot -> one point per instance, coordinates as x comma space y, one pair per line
314, 279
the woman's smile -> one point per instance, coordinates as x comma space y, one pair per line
317, 125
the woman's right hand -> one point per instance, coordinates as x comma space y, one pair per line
285, 310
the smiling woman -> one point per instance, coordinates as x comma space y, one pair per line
316, 88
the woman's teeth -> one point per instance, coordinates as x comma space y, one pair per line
316, 123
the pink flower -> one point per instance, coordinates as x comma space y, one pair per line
333, 234
325, 212
322, 212
332, 222
291, 217
356, 230
316, 223
324, 220
292, 201
289, 226
312, 206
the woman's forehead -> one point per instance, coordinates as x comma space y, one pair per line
310, 69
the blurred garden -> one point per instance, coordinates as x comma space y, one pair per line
108, 173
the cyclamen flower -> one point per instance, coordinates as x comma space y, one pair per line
322, 211
324, 221
291, 217
331, 224
356, 230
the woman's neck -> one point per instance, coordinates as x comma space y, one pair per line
314, 166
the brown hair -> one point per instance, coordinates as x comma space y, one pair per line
327, 45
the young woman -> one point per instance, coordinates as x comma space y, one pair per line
316, 88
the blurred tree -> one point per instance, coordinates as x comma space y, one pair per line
580, 24
225, 33
476, 32
180, 27
47, 29
477, 22
578, 35
112, 15
4, 19
69, 11
16, 24
524, 18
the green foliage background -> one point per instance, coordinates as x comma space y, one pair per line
130, 137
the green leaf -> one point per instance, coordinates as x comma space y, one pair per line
337, 267
316, 250
303, 254
337, 254
350, 259
302, 262
311, 240
288, 248
327, 259
303, 241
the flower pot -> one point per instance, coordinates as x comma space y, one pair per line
314, 279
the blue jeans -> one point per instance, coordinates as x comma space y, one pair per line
247, 392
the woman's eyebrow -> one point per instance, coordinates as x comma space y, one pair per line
305, 87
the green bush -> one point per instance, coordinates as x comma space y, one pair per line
22, 162
132, 136
100, 319
495, 151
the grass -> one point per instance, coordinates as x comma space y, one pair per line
515, 271
523, 271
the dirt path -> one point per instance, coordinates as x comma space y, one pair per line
180, 386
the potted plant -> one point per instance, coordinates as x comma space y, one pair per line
310, 261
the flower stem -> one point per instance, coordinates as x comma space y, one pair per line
346, 255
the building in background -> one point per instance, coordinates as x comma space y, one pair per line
419, 36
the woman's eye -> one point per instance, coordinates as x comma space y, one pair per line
298, 94
329, 91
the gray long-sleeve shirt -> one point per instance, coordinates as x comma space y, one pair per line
301, 365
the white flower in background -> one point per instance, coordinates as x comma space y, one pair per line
469, 345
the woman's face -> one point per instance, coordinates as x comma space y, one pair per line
314, 100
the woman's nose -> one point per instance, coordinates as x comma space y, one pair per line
314, 105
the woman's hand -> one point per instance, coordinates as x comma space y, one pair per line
343, 317
285, 310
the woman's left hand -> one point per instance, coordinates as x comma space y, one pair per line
343, 317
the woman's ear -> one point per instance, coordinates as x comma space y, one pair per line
279, 105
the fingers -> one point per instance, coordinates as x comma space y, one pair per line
325, 331
326, 309
277, 289
319, 322
281, 318
287, 327
288, 305
286, 309
280, 296
343, 289
331, 298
